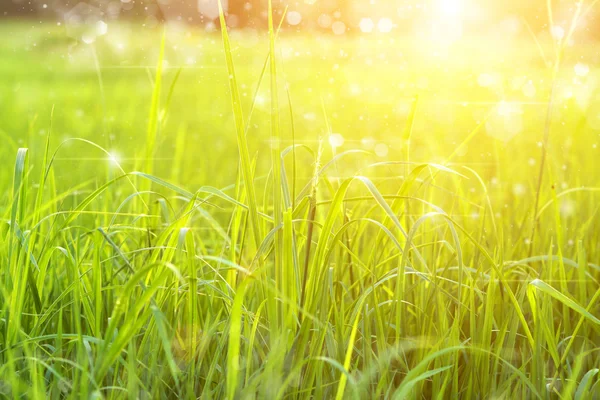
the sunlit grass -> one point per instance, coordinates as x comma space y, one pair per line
279, 217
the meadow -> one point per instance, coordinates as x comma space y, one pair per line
287, 216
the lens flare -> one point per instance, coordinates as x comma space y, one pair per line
450, 8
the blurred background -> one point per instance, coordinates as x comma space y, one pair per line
441, 18
351, 69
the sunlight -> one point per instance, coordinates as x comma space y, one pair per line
308, 199
450, 8
113, 158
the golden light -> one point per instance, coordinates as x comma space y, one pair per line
447, 21
450, 8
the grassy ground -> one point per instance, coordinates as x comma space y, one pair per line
150, 250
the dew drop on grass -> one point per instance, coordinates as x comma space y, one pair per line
113, 158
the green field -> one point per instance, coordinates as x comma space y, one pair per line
430, 229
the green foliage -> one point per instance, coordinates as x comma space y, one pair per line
130, 273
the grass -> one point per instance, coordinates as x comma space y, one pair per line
172, 232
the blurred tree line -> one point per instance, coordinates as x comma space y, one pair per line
313, 14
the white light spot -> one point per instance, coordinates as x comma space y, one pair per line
84, 22
101, 28
355, 89
567, 208
368, 142
324, 21
519, 189
338, 27
366, 25
113, 158
293, 18
486, 80
506, 121
210, 27
274, 143
558, 32
450, 8
260, 101
381, 149
210, 8
385, 25
422, 82
529, 89
88, 39
581, 69
336, 140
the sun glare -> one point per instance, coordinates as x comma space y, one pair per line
450, 8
